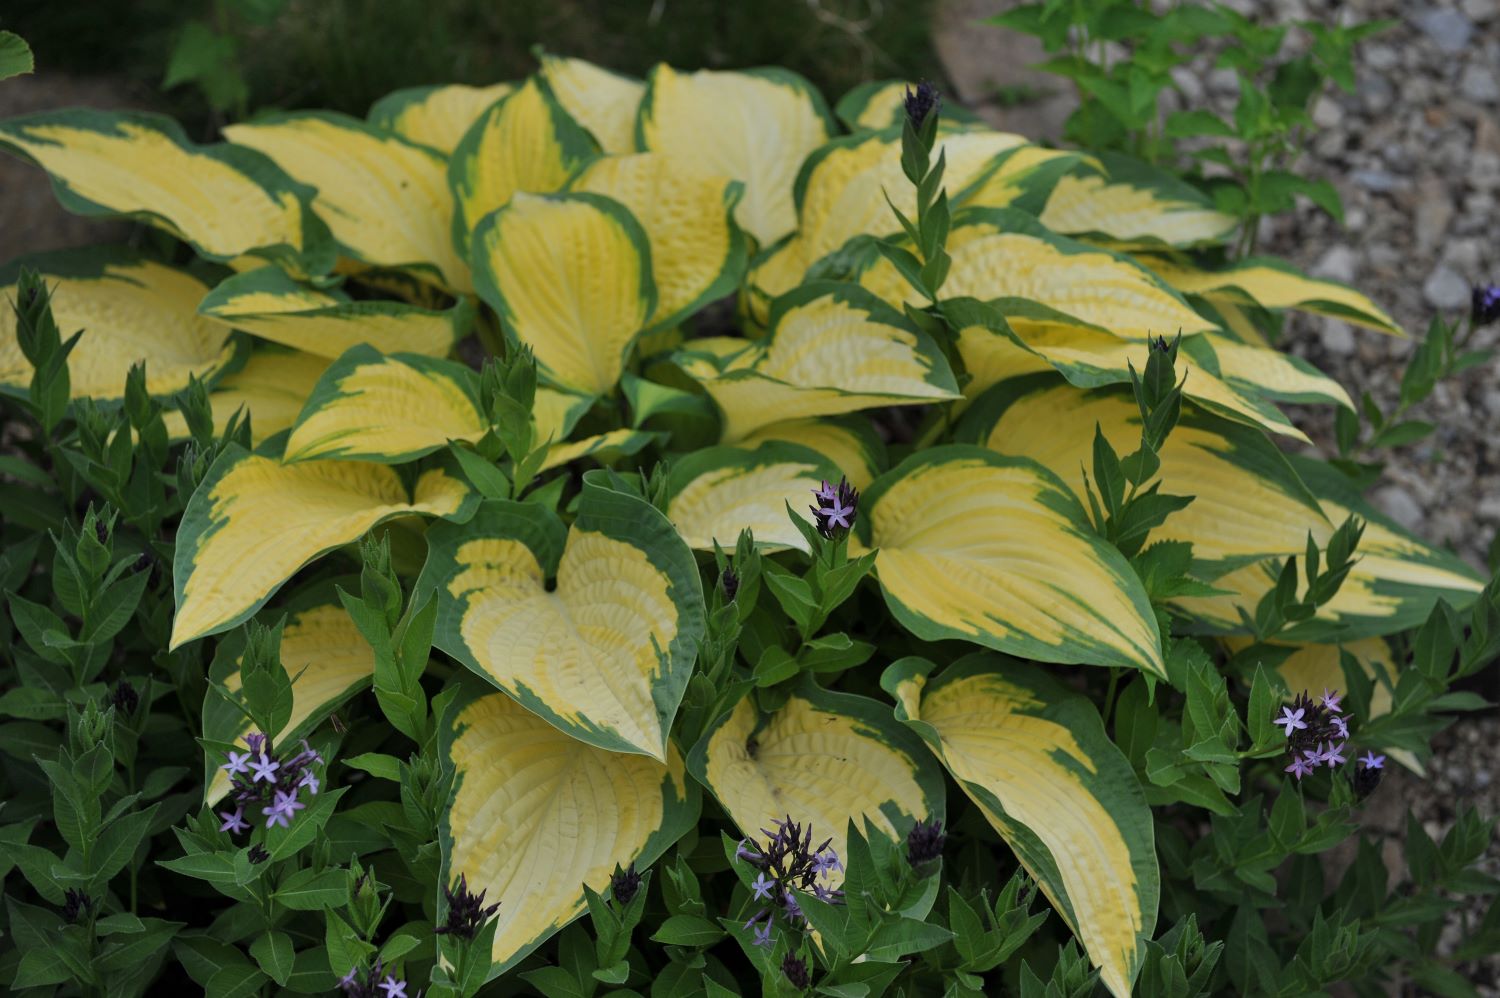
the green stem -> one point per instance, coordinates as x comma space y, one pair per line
1109, 694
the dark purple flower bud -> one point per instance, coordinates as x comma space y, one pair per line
924, 843
1486, 305
923, 102
75, 903
729, 582
143, 563
466, 911
625, 884
101, 531
834, 515
1366, 779
794, 968
258, 853
1160, 345
123, 698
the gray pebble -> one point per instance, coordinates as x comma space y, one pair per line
1445, 289
1478, 84
1449, 30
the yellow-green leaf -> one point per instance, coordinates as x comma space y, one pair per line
833, 349
130, 309
385, 199
1133, 211
1005, 253
718, 491
879, 104
1248, 502
224, 200
602, 447
1034, 756
957, 530
570, 276
697, 250
271, 305
254, 521
823, 759
603, 102
271, 388
436, 117
536, 815
1274, 284
851, 444
754, 126
606, 654
390, 408
327, 660
525, 143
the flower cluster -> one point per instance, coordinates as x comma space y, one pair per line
836, 508
1485, 307
924, 843
466, 911
625, 885
729, 581
75, 904
921, 103
260, 777
1315, 732
374, 983
787, 863
1367, 776
123, 698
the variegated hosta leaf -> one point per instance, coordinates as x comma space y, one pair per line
536, 815
325, 656
1005, 253
525, 143
130, 309
755, 126
436, 117
1134, 206
570, 276
254, 521
833, 349
554, 413
606, 655
1395, 581
1089, 358
697, 250
1273, 374
1248, 502
1025, 176
389, 408
958, 528
224, 200
1273, 283
718, 491
823, 759
1035, 757
851, 444
385, 199
272, 388
602, 447
603, 102
271, 305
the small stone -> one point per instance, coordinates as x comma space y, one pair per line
1326, 113
1377, 94
1481, 10
1491, 399
1338, 263
1224, 81
1377, 180
1187, 81
1449, 30
1445, 289
1381, 57
1434, 212
1399, 505
1478, 84
1484, 171
1337, 337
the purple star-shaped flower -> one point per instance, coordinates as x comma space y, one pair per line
1292, 719
239, 762
1372, 761
234, 821
310, 781
762, 887
348, 978
743, 851
763, 935
281, 811
826, 862
1332, 754
1300, 767
1332, 698
837, 514
1340, 725
392, 987
256, 741
826, 493
265, 769
311, 753
793, 909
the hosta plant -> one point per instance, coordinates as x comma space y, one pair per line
849, 549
